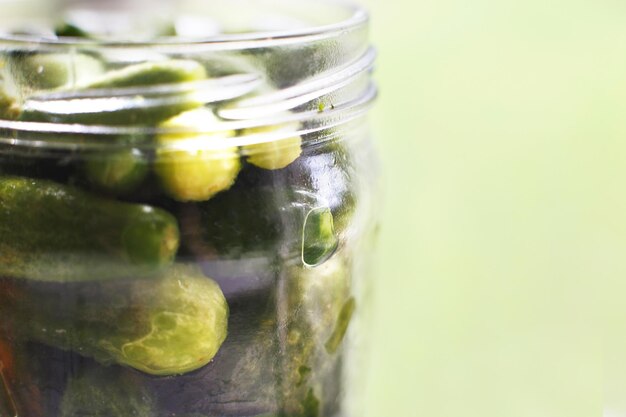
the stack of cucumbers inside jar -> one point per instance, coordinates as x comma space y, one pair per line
187, 208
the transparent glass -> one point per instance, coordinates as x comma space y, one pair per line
187, 208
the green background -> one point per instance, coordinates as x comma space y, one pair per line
502, 127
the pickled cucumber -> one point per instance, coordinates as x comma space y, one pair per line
151, 74
263, 221
54, 232
46, 71
147, 106
242, 379
66, 29
327, 170
166, 326
117, 172
315, 298
343, 321
273, 154
196, 165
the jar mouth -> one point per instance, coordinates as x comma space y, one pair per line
266, 113
355, 17
254, 83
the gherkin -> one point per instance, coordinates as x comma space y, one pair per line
314, 298
159, 91
197, 164
327, 168
48, 71
273, 154
117, 172
54, 232
261, 222
167, 326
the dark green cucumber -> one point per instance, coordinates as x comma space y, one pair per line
265, 221
67, 29
53, 232
144, 113
327, 170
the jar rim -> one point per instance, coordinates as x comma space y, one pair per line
358, 18
303, 123
266, 110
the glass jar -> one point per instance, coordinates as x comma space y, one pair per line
187, 208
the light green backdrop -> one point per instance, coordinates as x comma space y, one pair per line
502, 125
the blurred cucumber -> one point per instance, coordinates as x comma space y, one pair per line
66, 29
341, 327
242, 379
47, 71
314, 298
273, 154
170, 325
53, 232
146, 107
267, 222
151, 73
327, 171
118, 172
289, 65
275, 356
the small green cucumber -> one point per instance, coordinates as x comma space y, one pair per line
54, 232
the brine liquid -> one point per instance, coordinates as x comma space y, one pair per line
274, 361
